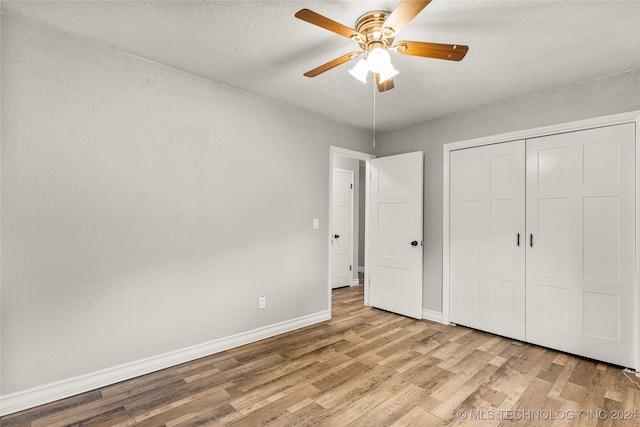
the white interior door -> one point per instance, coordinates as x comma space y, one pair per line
342, 233
395, 233
580, 242
487, 267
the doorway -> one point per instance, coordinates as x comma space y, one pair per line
393, 242
347, 253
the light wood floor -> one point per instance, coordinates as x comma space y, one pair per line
365, 367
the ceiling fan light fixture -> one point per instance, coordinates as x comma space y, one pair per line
360, 70
375, 33
388, 73
378, 59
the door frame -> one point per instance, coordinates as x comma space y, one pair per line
614, 119
344, 152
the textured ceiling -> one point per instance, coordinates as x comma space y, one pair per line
517, 48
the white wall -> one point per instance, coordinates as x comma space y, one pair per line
144, 210
608, 95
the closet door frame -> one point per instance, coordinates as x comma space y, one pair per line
628, 117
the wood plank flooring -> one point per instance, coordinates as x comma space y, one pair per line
365, 367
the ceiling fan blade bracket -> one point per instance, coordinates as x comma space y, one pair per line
388, 33
359, 38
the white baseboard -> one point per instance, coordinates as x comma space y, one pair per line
434, 316
360, 269
355, 282
46, 393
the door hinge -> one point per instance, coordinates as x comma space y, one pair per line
350, 267
351, 186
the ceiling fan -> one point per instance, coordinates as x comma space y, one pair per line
375, 33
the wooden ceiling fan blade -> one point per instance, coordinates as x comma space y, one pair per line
332, 64
328, 24
451, 52
404, 13
385, 85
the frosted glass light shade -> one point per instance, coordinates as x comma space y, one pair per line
360, 70
388, 73
378, 59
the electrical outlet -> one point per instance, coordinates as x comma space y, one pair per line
262, 302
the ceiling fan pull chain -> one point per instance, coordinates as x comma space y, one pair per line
374, 113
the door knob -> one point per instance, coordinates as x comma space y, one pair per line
414, 243
336, 236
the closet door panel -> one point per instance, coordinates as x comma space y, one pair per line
580, 268
487, 214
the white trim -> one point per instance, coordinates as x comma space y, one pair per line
445, 235
637, 247
345, 152
431, 315
367, 232
40, 395
360, 269
355, 282
360, 156
614, 119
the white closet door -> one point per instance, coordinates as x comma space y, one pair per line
487, 238
580, 264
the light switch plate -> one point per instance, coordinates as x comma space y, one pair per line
315, 223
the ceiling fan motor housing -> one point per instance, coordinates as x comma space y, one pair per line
371, 26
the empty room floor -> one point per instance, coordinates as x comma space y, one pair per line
364, 367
